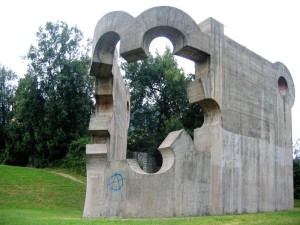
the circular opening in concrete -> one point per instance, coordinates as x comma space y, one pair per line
143, 163
158, 46
211, 112
282, 85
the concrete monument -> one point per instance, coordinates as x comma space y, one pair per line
240, 160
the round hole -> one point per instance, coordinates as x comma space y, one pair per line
282, 85
159, 44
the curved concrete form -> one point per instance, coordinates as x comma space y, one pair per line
186, 36
240, 160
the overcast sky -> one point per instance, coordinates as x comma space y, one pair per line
269, 28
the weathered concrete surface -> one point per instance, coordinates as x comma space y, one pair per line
240, 159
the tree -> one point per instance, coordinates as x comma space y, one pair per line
159, 102
296, 169
7, 91
61, 65
55, 99
25, 131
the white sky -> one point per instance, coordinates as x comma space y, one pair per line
269, 28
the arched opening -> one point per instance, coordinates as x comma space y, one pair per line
173, 35
103, 54
159, 45
212, 112
155, 161
105, 47
282, 86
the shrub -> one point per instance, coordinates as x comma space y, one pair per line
75, 158
296, 170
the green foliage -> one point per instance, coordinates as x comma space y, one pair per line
36, 196
296, 169
75, 158
53, 100
7, 92
159, 102
24, 131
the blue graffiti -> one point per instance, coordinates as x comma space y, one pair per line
116, 182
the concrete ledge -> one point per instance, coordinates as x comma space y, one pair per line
93, 149
100, 124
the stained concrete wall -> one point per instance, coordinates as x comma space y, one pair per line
179, 189
258, 138
240, 159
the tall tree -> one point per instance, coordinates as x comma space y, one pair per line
26, 128
159, 102
7, 90
54, 100
61, 65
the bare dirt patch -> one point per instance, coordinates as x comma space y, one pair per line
69, 177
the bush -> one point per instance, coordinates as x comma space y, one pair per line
296, 170
75, 158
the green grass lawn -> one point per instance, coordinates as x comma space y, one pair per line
38, 196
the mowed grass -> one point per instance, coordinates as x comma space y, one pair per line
37, 196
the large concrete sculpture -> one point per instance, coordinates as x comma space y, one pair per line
240, 160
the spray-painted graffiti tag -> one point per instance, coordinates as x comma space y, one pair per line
116, 182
